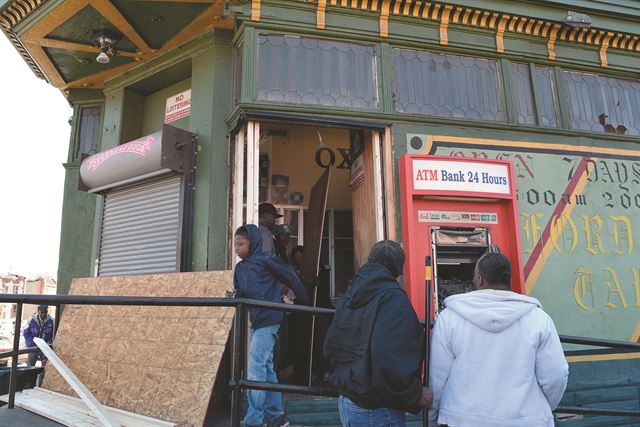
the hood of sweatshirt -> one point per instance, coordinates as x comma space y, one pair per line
370, 280
490, 309
255, 240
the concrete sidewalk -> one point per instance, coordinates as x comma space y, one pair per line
18, 417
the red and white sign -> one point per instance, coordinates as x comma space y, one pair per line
357, 173
472, 177
178, 106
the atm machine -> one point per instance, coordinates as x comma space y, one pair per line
454, 210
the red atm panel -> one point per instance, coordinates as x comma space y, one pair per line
452, 210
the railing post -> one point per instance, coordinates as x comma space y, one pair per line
56, 323
238, 337
13, 379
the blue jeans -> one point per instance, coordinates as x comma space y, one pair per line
260, 368
353, 415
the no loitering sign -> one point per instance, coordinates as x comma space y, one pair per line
178, 106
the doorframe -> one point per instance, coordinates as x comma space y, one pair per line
249, 135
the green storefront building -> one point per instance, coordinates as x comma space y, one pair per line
274, 92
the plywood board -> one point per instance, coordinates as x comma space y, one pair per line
155, 361
313, 225
364, 214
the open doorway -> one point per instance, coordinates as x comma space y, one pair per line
281, 163
291, 158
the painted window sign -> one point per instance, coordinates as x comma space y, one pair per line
141, 147
460, 176
178, 106
580, 228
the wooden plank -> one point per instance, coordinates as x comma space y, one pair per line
77, 405
211, 18
252, 180
84, 393
363, 205
314, 224
46, 410
109, 11
389, 185
238, 184
377, 186
42, 59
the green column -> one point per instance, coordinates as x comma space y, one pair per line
210, 105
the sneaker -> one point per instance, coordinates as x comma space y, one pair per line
280, 421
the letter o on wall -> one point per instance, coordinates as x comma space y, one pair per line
533, 197
549, 197
320, 159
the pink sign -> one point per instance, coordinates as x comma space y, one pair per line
141, 147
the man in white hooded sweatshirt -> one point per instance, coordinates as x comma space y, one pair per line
496, 359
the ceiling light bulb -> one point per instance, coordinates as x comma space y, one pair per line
103, 58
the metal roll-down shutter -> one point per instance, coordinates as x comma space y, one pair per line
141, 228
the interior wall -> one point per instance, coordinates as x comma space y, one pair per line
294, 156
154, 108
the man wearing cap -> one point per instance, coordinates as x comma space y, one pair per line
40, 326
375, 346
267, 215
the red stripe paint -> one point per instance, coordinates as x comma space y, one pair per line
571, 186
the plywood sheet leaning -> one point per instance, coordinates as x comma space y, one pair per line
155, 361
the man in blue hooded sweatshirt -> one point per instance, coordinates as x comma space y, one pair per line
257, 277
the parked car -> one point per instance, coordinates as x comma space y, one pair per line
6, 344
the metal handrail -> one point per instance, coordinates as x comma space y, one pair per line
241, 305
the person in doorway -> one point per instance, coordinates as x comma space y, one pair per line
296, 258
375, 345
267, 215
496, 358
281, 239
257, 276
40, 326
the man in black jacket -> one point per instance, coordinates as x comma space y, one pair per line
375, 345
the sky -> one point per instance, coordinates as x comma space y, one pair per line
34, 139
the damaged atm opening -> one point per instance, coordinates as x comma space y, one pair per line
282, 162
456, 251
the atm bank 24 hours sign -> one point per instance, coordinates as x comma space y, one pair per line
443, 175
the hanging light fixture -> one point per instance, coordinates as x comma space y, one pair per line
104, 40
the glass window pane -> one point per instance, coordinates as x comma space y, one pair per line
88, 132
546, 92
524, 94
447, 85
302, 70
343, 224
603, 104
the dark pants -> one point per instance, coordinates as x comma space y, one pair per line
34, 357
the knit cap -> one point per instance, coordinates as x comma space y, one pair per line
389, 254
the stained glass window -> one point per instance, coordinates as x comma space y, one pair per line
446, 85
302, 70
603, 104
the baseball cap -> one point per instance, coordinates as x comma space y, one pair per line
268, 208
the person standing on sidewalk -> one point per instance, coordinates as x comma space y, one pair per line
257, 277
40, 326
375, 345
496, 358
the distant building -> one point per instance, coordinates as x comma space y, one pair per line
15, 284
